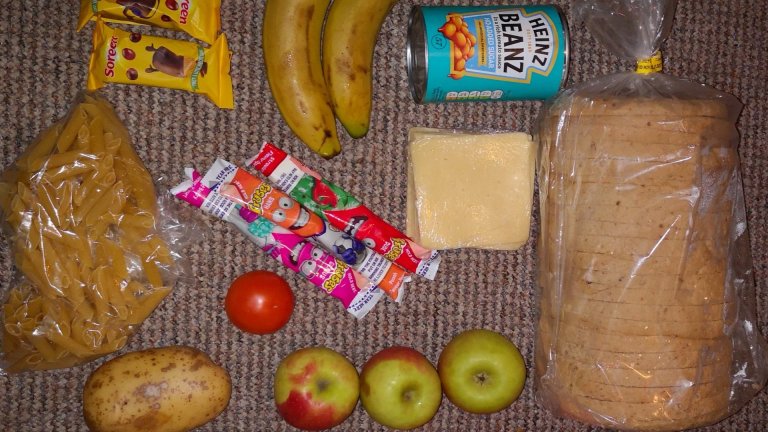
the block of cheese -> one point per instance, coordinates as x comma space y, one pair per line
470, 190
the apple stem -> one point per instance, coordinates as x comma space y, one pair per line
481, 378
408, 394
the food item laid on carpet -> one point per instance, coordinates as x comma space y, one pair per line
349, 39
292, 40
122, 57
486, 53
201, 20
470, 190
87, 239
275, 205
646, 319
343, 211
399, 388
168, 389
316, 388
259, 302
481, 371
356, 292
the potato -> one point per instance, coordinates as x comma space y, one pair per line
168, 389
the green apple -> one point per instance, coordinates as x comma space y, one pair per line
316, 388
481, 371
399, 388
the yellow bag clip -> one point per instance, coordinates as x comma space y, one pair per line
649, 65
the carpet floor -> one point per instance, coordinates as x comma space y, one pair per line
718, 43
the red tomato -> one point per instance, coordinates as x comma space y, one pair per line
259, 302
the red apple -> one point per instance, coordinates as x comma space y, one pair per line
481, 371
399, 388
316, 388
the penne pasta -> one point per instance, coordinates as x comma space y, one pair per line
83, 141
116, 258
147, 304
42, 147
78, 200
71, 128
59, 174
96, 127
152, 272
101, 208
42, 346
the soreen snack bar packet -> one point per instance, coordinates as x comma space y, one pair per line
343, 211
247, 190
356, 292
131, 58
199, 19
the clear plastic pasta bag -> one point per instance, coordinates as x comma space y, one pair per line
647, 296
92, 246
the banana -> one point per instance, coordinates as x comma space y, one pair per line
349, 39
292, 39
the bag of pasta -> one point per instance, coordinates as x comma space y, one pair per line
83, 220
647, 317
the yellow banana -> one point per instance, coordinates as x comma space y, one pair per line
349, 39
292, 41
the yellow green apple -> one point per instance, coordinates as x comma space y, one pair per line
316, 388
400, 388
481, 371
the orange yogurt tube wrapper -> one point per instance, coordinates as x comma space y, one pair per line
199, 19
123, 57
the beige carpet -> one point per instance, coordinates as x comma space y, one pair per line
721, 43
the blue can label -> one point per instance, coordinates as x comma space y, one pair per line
497, 53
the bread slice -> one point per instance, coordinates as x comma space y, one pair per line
643, 107
705, 329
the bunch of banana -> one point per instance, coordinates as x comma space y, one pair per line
292, 36
311, 93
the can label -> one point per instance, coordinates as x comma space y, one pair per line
493, 53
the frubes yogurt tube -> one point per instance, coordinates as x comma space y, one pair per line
259, 197
357, 293
343, 211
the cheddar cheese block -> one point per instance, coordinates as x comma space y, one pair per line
470, 190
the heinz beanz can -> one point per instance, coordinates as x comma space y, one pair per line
486, 53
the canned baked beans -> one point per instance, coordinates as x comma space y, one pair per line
486, 53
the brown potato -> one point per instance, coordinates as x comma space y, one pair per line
170, 389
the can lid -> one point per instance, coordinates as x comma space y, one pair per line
416, 54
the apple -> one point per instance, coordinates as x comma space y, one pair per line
481, 371
316, 388
399, 388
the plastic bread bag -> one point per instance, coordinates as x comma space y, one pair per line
646, 292
93, 247
470, 189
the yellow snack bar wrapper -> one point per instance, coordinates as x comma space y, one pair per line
199, 19
131, 58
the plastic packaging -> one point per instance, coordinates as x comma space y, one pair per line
647, 319
279, 208
122, 57
344, 211
201, 20
95, 251
470, 189
358, 294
